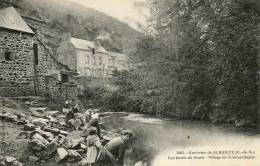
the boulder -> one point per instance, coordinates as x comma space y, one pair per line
75, 143
141, 163
83, 146
33, 159
9, 159
24, 135
48, 135
40, 122
2, 158
38, 142
73, 156
62, 132
50, 118
54, 131
2, 163
36, 145
42, 155
66, 142
29, 127
52, 113
243, 123
38, 109
61, 154
12, 118
52, 147
16, 163
39, 137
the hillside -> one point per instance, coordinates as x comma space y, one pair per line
53, 21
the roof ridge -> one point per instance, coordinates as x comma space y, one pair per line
11, 19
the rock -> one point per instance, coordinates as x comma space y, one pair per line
29, 127
38, 142
61, 154
38, 109
62, 132
2, 158
16, 163
27, 103
4, 115
40, 122
74, 156
51, 119
21, 115
52, 130
66, 143
52, 147
141, 163
9, 117
36, 145
21, 122
2, 163
33, 159
48, 135
41, 138
243, 123
61, 116
12, 118
9, 159
75, 144
52, 113
42, 154
83, 146
24, 135
60, 138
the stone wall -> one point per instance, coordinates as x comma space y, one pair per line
20, 76
16, 68
61, 91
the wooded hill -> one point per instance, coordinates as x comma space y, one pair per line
52, 20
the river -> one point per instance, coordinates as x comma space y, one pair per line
159, 139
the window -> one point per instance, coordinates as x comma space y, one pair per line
94, 60
64, 78
93, 51
8, 56
35, 52
87, 60
100, 61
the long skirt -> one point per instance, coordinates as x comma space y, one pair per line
92, 154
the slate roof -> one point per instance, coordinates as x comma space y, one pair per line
86, 45
10, 19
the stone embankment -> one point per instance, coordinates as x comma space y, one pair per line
49, 138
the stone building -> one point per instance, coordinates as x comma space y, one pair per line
89, 58
26, 66
85, 57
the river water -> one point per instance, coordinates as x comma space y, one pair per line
160, 139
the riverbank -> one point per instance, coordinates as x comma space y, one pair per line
153, 135
38, 136
160, 138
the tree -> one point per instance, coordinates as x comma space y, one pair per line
200, 59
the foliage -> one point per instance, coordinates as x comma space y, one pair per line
65, 17
200, 61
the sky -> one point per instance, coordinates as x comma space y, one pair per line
132, 12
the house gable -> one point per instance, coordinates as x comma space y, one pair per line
10, 19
